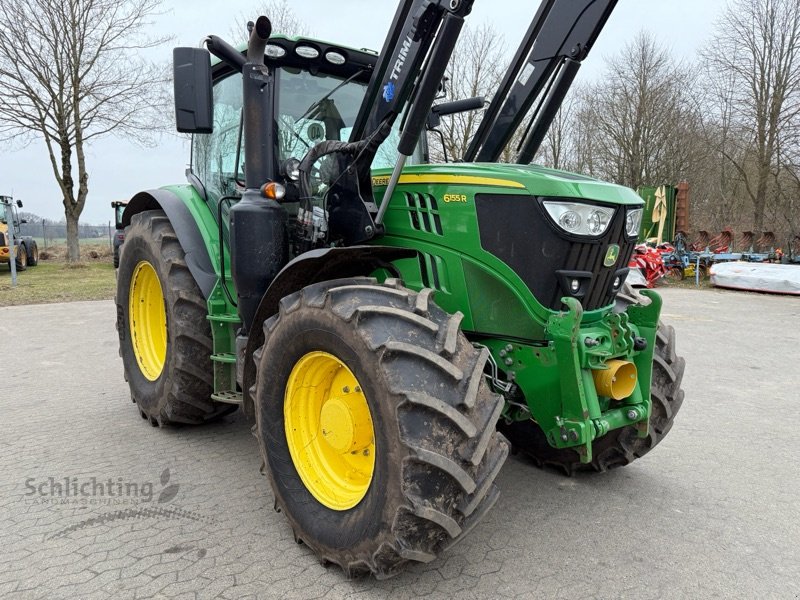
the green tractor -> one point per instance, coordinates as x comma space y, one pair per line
388, 323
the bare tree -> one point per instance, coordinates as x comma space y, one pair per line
69, 72
754, 57
475, 69
787, 186
557, 146
635, 116
282, 16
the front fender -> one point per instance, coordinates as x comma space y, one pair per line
311, 267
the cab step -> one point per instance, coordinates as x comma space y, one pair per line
227, 397
224, 357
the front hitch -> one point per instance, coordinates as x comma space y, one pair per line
583, 355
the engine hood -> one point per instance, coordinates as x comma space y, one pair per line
536, 180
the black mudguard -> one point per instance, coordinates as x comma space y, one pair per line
189, 236
312, 267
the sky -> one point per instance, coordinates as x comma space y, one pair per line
119, 168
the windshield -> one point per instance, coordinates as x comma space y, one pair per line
2, 211
316, 108
310, 109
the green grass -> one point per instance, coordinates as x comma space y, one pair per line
58, 282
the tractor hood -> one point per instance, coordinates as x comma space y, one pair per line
536, 180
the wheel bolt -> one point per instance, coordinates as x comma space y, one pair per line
345, 390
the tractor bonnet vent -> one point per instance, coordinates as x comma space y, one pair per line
423, 211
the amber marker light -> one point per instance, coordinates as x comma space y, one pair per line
273, 191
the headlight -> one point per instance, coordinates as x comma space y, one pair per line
291, 169
274, 51
580, 219
306, 51
335, 58
633, 220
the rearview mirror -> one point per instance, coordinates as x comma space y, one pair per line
194, 112
19, 203
450, 108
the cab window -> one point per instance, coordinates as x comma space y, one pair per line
214, 154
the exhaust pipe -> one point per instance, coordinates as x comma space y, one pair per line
258, 225
617, 381
257, 43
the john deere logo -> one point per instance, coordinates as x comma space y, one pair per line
612, 254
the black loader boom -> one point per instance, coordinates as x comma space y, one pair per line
558, 40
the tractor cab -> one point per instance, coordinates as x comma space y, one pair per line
8, 212
318, 91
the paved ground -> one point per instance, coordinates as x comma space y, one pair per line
713, 512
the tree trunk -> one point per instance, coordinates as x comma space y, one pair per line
73, 247
760, 199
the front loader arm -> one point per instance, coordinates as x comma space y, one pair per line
558, 40
405, 79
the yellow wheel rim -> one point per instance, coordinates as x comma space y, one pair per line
148, 320
329, 430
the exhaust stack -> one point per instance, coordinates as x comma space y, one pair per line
259, 236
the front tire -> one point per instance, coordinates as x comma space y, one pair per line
21, 260
164, 336
431, 427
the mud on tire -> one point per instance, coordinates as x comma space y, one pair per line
182, 392
622, 446
437, 451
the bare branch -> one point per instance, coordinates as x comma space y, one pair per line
71, 73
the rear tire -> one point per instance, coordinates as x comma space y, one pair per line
619, 447
33, 255
181, 391
433, 417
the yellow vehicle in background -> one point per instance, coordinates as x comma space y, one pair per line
25, 251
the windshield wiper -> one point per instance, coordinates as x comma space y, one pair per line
316, 104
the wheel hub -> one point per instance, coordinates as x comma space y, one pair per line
345, 423
329, 430
148, 320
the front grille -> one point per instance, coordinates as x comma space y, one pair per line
2, 239
518, 231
